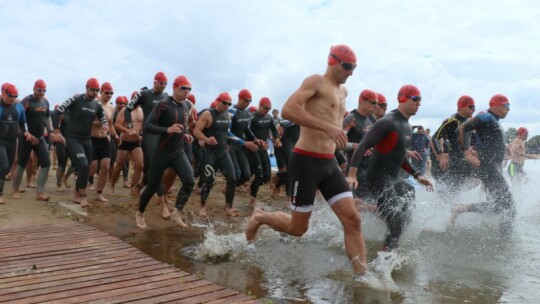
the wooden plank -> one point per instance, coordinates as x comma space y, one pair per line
180, 296
81, 253
76, 263
102, 289
76, 276
202, 298
92, 286
119, 295
82, 267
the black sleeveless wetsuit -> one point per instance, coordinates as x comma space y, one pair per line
12, 117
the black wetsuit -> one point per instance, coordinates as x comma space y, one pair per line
146, 99
291, 133
83, 111
170, 150
237, 136
218, 156
37, 117
60, 148
390, 136
459, 170
362, 124
12, 117
491, 149
198, 155
261, 126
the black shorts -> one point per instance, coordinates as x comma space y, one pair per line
129, 145
310, 171
101, 148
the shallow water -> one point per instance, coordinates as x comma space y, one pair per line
468, 264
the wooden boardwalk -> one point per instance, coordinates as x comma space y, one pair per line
68, 262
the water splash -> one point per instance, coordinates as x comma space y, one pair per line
221, 248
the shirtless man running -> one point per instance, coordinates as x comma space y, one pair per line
318, 106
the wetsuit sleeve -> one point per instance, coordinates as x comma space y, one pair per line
230, 134
471, 124
134, 102
100, 113
373, 137
22, 118
443, 132
152, 123
408, 167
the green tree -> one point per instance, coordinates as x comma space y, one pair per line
533, 145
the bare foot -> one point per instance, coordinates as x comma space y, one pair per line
84, 202
60, 188
253, 225
165, 213
100, 197
92, 187
126, 184
16, 194
175, 217
30, 185
202, 212
456, 211
42, 197
1, 200
135, 191
65, 181
231, 212
139, 219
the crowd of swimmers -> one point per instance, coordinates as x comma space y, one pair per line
358, 161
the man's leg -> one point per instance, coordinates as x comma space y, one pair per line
348, 215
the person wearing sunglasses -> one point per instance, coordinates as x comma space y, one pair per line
103, 143
318, 107
487, 157
12, 117
380, 111
450, 169
147, 99
212, 129
391, 137
262, 124
83, 109
357, 124
170, 119
37, 115
240, 137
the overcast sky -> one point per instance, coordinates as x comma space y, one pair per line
446, 48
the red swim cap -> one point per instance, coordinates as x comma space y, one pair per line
407, 90
522, 131
11, 89
367, 95
465, 101
92, 83
4, 85
181, 81
191, 98
244, 94
213, 105
224, 97
121, 99
252, 109
381, 98
160, 76
265, 102
497, 100
106, 86
343, 53
40, 84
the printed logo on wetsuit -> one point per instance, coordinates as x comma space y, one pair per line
295, 192
88, 109
10, 118
80, 155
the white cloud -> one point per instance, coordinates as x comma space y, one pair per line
447, 49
